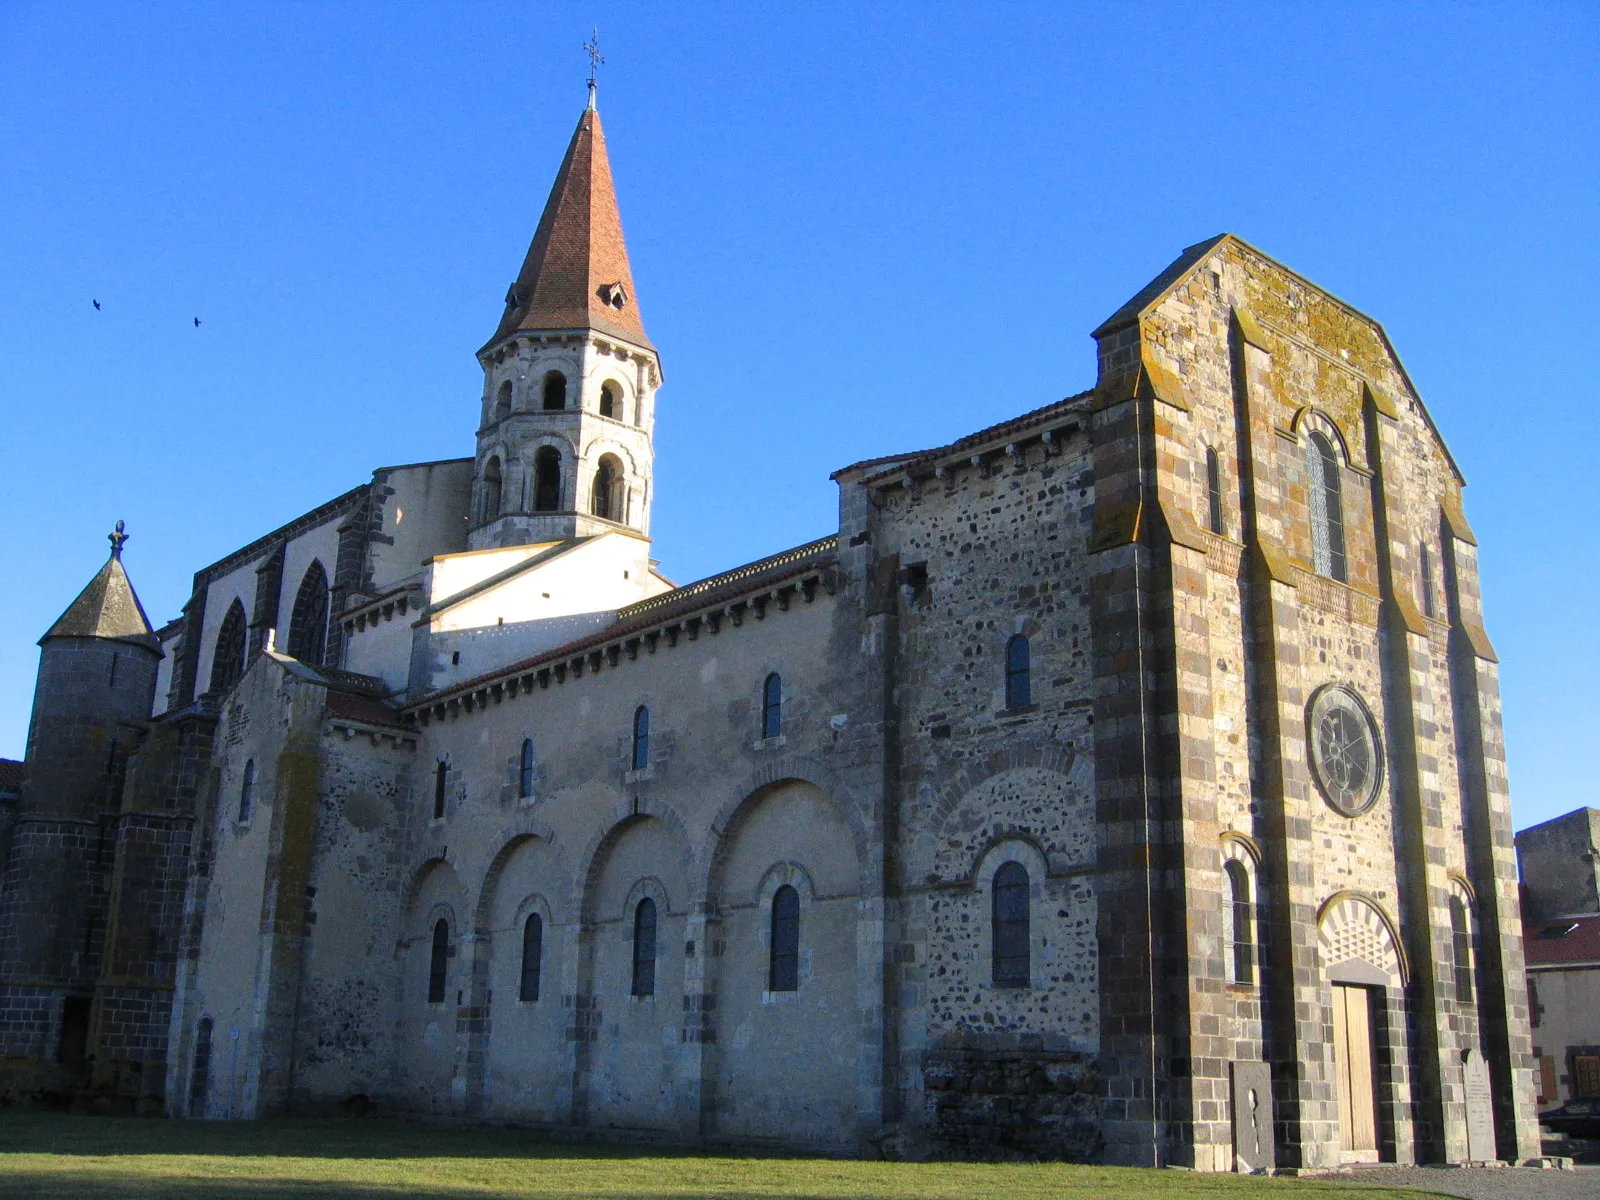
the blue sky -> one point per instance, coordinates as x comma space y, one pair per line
854, 230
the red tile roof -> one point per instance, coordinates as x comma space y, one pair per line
1564, 940
576, 275
366, 709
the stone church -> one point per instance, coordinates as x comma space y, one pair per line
1123, 782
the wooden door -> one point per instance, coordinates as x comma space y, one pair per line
1353, 1063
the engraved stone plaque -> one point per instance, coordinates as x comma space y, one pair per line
1252, 1118
1480, 1108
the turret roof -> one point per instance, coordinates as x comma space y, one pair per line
107, 608
576, 274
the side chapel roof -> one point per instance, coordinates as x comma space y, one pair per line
576, 274
108, 607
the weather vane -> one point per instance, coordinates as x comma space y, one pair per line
592, 48
116, 539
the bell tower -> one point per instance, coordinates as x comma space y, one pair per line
565, 439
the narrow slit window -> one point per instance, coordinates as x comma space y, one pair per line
1214, 490
1011, 921
441, 775
1461, 939
1425, 569
247, 789
783, 974
532, 949
438, 961
772, 706
1019, 669
525, 770
1240, 927
1325, 497
641, 738
644, 948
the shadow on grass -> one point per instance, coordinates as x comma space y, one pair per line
291, 1137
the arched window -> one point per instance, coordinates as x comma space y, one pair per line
502, 403
1425, 570
610, 404
441, 774
227, 660
1214, 489
547, 479
555, 391
532, 948
491, 489
200, 1072
641, 738
1019, 668
247, 790
606, 500
438, 961
772, 706
644, 948
1240, 924
784, 972
1011, 926
1461, 944
308, 624
1327, 507
525, 770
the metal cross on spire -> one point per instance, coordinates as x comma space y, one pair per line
592, 48
116, 538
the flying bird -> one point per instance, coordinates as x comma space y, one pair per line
197, 322
96, 305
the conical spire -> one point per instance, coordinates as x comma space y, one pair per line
108, 607
576, 275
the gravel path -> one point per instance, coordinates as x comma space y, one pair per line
1506, 1183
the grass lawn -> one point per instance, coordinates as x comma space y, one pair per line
85, 1158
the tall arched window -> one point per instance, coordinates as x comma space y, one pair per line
491, 489
227, 660
1461, 945
1011, 926
555, 391
502, 403
200, 1071
606, 500
1425, 570
438, 961
525, 770
1327, 507
532, 949
772, 706
1019, 668
308, 623
441, 775
547, 479
247, 788
641, 738
644, 948
610, 404
783, 974
1214, 490
1240, 928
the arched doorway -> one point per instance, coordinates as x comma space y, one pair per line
1363, 967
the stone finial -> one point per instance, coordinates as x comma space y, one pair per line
116, 537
